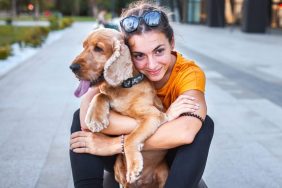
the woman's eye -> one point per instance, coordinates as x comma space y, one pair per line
159, 51
138, 56
98, 49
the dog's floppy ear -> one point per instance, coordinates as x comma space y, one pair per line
119, 66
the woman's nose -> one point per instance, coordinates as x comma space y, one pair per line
152, 63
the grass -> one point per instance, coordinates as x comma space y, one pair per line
12, 34
27, 36
30, 35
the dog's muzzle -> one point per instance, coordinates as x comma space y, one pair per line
75, 67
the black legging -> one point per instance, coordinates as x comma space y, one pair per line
187, 162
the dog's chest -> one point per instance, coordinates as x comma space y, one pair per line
125, 100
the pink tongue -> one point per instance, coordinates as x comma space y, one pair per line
82, 88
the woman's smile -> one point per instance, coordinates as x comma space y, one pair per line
154, 72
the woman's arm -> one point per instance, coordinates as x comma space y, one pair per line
174, 133
85, 101
118, 124
181, 130
171, 134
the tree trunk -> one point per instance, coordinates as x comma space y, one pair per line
14, 9
76, 7
36, 10
93, 10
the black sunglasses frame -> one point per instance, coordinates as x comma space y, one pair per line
138, 18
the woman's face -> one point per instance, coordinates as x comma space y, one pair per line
151, 54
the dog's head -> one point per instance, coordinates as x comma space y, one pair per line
104, 56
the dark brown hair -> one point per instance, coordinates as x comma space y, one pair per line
138, 9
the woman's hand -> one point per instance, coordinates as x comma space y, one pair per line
182, 104
95, 143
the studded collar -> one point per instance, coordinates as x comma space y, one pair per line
132, 81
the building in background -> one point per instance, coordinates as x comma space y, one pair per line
250, 15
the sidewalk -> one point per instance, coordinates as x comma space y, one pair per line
37, 102
36, 107
244, 98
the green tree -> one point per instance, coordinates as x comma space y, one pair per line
5, 4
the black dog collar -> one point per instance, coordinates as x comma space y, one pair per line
132, 81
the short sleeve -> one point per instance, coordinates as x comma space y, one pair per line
190, 77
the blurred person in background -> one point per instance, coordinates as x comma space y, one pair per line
102, 17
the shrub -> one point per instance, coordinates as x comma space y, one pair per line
24, 36
66, 22
5, 51
57, 22
9, 21
36, 36
54, 23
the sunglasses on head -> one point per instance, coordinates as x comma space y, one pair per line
131, 23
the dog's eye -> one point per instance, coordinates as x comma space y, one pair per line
98, 49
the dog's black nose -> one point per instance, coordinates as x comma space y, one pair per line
75, 67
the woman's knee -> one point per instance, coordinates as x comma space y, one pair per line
207, 130
75, 122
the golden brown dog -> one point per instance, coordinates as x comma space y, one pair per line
106, 61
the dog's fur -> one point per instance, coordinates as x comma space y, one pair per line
106, 54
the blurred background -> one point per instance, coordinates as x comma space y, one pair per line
238, 44
251, 16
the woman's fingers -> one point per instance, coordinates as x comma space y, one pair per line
186, 104
181, 97
184, 110
80, 134
78, 145
77, 139
81, 150
183, 104
185, 99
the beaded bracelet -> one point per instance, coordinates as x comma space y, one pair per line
122, 144
193, 115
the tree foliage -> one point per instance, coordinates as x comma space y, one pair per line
5, 4
67, 7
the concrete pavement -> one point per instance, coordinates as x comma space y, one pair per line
244, 99
243, 85
36, 107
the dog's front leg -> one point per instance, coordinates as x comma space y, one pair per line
120, 170
97, 116
149, 123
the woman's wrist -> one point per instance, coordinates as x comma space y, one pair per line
117, 146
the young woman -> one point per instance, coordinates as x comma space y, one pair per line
180, 84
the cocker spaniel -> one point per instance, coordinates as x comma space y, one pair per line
106, 62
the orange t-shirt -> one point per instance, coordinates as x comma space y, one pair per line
186, 75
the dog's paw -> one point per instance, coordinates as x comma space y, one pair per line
134, 175
97, 126
96, 120
134, 168
140, 147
